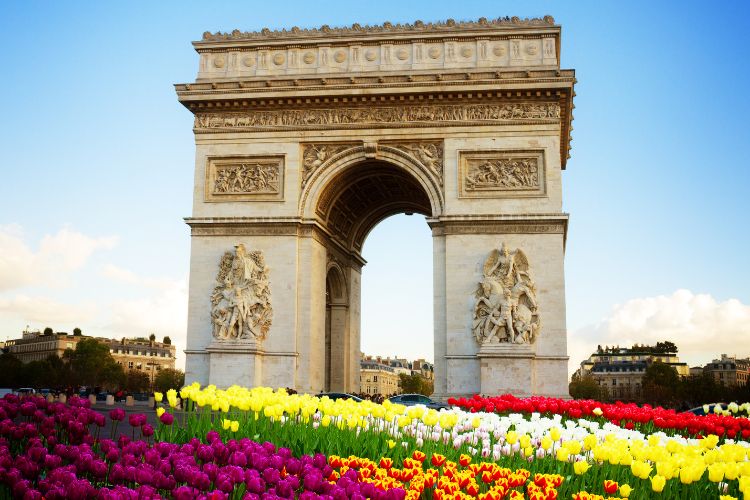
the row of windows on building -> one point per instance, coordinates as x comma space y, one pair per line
138, 366
162, 354
39, 346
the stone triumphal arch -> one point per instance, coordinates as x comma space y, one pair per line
307, 138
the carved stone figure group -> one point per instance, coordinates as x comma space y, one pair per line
506, 309
241, 301
504, 173
247, 178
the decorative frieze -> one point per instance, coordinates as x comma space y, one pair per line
501, 174
396, 116
247, 178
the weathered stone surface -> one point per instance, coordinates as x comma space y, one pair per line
305, 140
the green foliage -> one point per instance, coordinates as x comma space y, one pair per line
584, 388
48, 331
169, 378
10, 371
414, 383
137, 381
77, 332
93, 365
152, 337
167, 341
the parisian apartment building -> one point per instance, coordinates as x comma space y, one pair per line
142, 354
379, 375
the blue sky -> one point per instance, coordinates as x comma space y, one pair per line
97, 169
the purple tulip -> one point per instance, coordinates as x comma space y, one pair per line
166, 418
118, 414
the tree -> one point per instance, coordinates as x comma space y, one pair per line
169, 378
137, 381
665, 347
584, 388
152, 337
414, 383
77, 332
167, 341
48, 331
660, 383
10, 371
93, 365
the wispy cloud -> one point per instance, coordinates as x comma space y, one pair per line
57, 256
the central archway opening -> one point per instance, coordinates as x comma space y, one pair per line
351, 205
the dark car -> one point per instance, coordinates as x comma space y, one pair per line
102, 396
418, 399
339, 395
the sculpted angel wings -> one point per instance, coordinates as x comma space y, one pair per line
241, 300
506, 309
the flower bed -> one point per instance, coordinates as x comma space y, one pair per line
221, 447
721, 422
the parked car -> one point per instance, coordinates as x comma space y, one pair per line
418, 399
5, 391
45, 392
339, 395
102, 396
25, 391
141, 396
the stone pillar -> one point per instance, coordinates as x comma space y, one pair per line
63, 397
129, 401
92, 399
438, 298
110, 400
239, 362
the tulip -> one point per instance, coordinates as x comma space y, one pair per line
657, 483
625, 490
166, 418
581, 467
610, 487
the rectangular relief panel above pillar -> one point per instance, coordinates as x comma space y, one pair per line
244, 178
512, 173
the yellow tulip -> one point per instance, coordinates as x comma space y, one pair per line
657, 483
158, 396
555, 433
581, 467
325, 421
597, 411
546, 443
476, 422
625, 490
716, 472
391, 444
226, 424
511, 437
160, 411
235, 426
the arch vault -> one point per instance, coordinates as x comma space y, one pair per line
307, 139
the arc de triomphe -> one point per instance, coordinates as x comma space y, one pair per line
307, 138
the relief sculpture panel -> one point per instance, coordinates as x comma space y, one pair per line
245, 179
501, 174
241, 300
506, 310
315, 156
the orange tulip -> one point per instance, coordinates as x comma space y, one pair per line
385, 463
464, 459
437, 459
610, 487
418, 456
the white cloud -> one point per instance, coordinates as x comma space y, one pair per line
46, 311
162, 312
702, 327
51, 265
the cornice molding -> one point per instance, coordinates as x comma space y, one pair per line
449, 26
